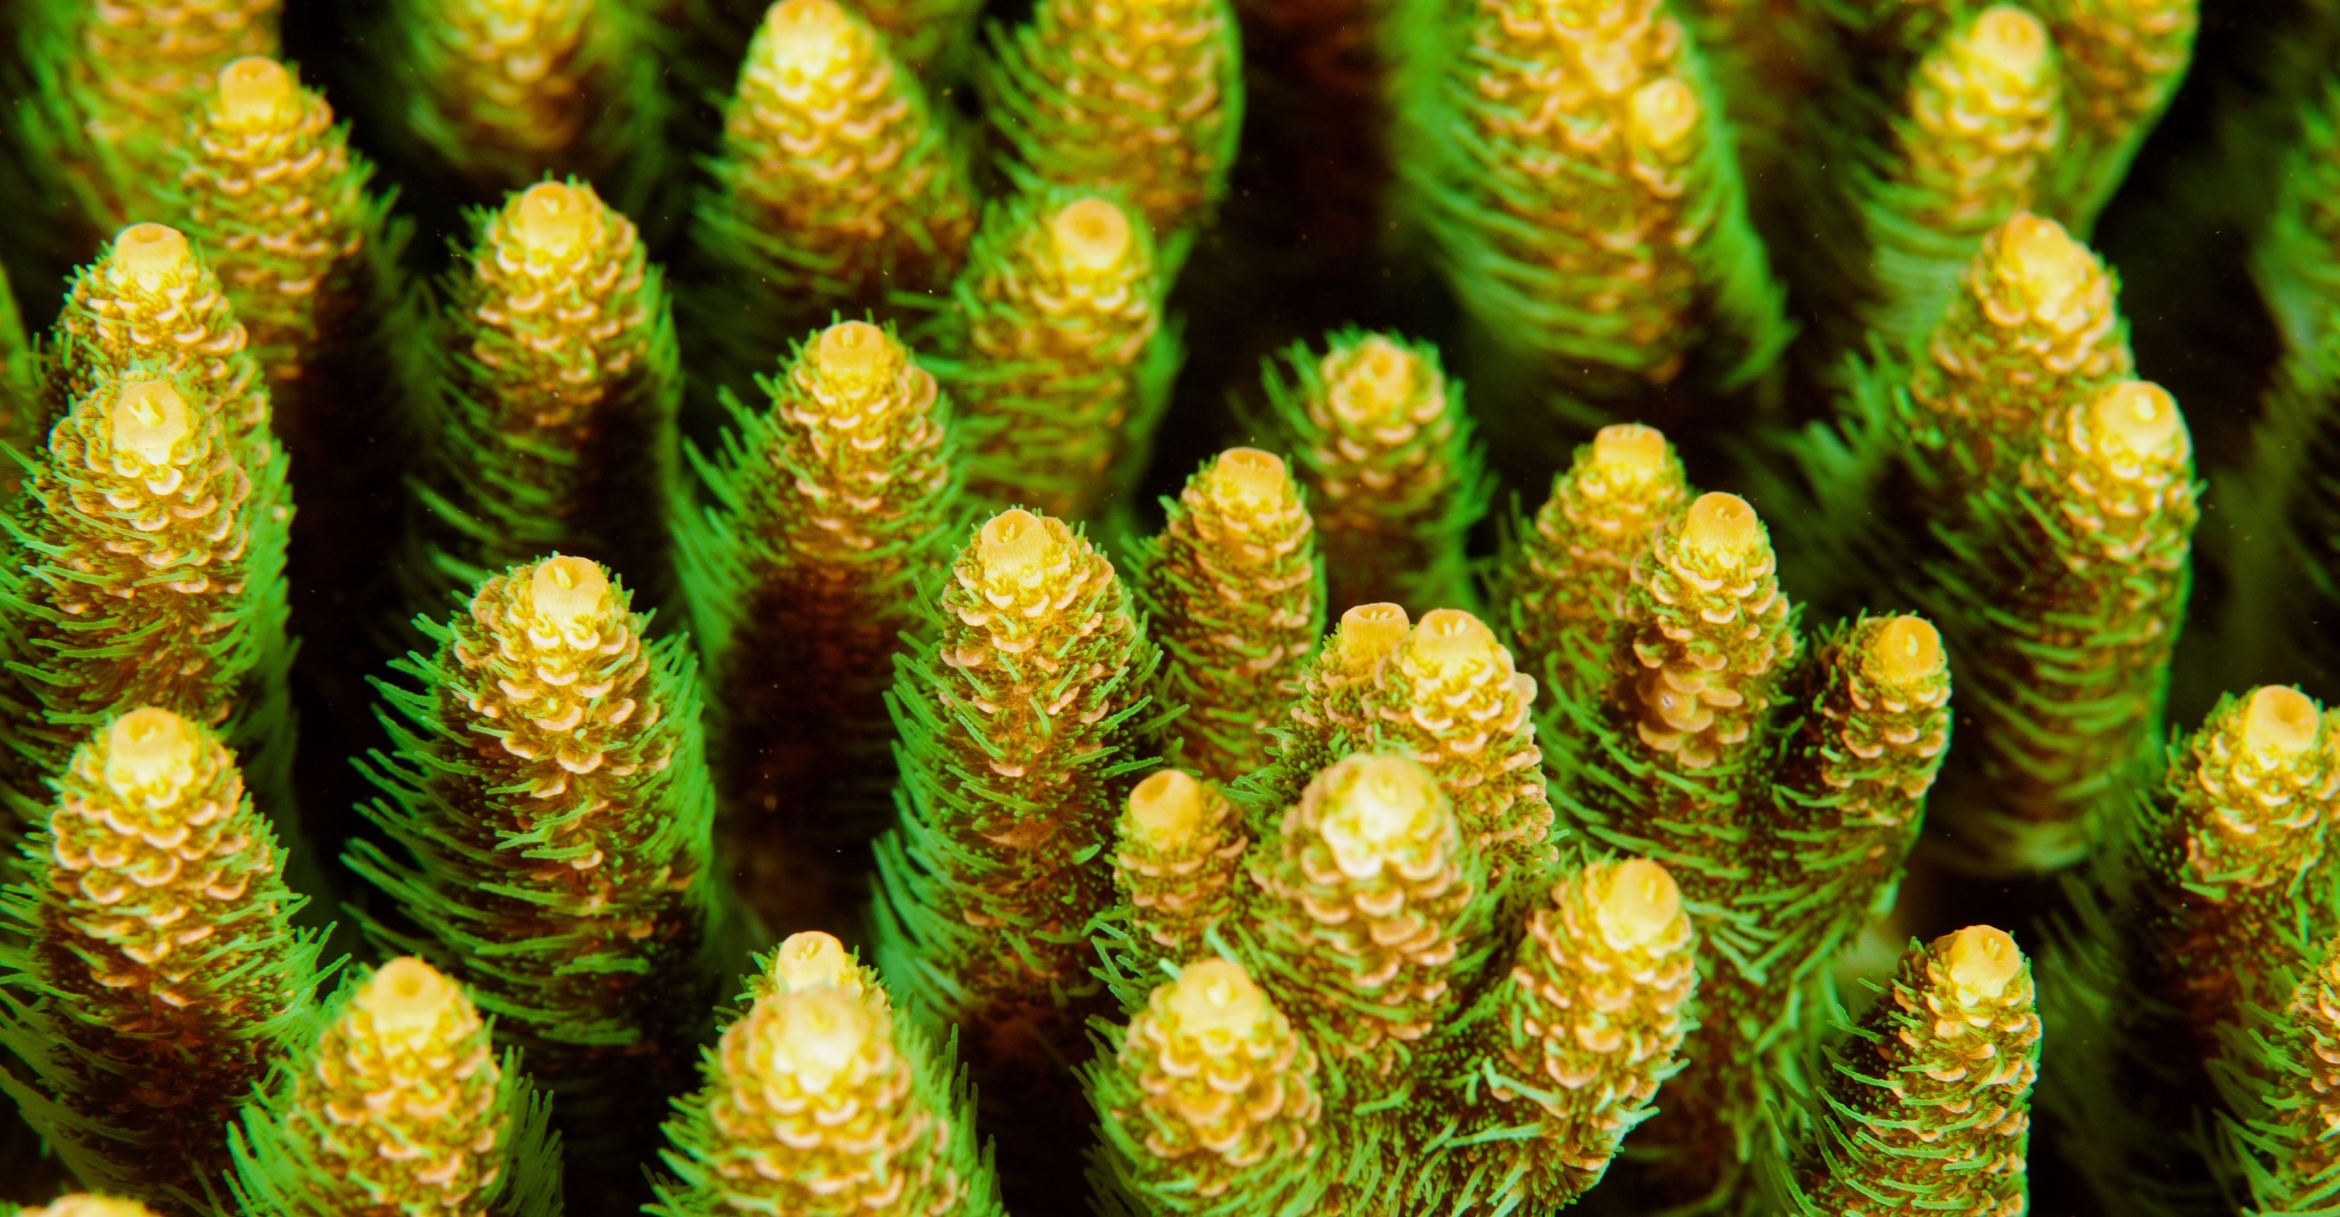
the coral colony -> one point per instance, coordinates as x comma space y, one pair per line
1181, 608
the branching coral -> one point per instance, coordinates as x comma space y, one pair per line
826, 517
155, 973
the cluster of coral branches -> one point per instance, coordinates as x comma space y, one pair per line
748, 685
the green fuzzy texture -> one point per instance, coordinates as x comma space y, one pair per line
106, 93
1921, 164
2123, 63
1379, 436
1059, 353
1396, 1038
561, 385
1620, 259
549, 804
2217, 893
798, 222
20, 400
892, 1134
126, 597
1234, 590
495, 103
825, 517
2276, 1077
1926, 1107
1147, 101
144, 989
348, 1121
1020, 729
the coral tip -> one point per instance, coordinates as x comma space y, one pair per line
256, 93
1375, 384
1213, 999
2012, 40
1249, 476
1166, 807
1640, 902
1013, 546
407, 998
1907, 651
149, 746
810, 959
2280, 719
851, 351
814, 1038
2138, 418
153, 253
808, 36
1452, 638
1982, 960
1629, 452
1373, 629
2046, 265
1722, 526
567, 590
1091, 234
554, 221
149, 419
1664, 111
1388, 803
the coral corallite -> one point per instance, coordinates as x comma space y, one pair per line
1177, 843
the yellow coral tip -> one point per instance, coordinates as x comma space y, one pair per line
806, 34
1166, 808
1982, 960
1722, 526
152, 253
1248, 475
149, 418
1216, 996
852, 350
553, 220
1013, 546
83, 1204
2011, 39
2042, 259
407, 997
256, 92
147, 745
815, 1037
1664, 111
1370, 631
1377, 803
2138, 418
1375, 384
810, 959
1451, 638
1091, 234
1640, 901
1629, 452
1908, 650
567, 590
2280, 719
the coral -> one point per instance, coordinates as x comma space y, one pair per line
826, 517
1574, 166
1143, 99
1234, 593
1388, 1046
1928, 1103
548, 793
1060, 365
562, 388
1174, 848
1562, 579
152, 576
820, 1101
1380, 439
1328, 718
2282, 1085
1020, 724
2123, 61
153, 972
398, 1105
836, 185
500, 93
